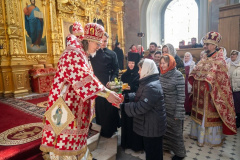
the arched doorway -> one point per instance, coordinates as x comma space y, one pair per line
180, 22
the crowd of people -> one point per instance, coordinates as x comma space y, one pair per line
162, 89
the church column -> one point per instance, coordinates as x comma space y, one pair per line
3, 43
120, 30
203, 24
14, 66
109, 31
54, 35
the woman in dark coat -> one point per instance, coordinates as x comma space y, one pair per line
173, 85
148, 110
130, 139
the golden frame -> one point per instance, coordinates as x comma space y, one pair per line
43, 46
65, 29
66, 114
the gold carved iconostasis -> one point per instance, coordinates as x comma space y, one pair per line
32, 31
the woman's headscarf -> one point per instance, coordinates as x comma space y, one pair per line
171, 50
190, 60
236, 62
148, 68
133, 51
171, 64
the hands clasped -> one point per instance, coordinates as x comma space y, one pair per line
115, 98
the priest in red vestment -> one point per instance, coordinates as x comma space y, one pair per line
76, 84
213, 111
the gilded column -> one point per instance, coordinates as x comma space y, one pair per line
3, 42
120, 30
54, 32
15, 72
109, 31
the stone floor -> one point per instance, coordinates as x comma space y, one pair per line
229, 151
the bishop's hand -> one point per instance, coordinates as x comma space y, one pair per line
114, 98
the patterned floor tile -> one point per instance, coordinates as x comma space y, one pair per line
229, 151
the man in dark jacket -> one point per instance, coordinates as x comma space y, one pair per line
105, 67
119, 53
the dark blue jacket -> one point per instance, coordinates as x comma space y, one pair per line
148, 109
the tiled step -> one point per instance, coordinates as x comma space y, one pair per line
106, 149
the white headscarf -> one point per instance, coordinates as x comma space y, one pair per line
237, 61
148, 68
190, 60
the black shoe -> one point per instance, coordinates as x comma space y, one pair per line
238, 125
177, 158
94, 159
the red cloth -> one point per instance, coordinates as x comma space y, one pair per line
41, 79
213, 71
187, 103
22, 151
42, 72
75, 72
27, 10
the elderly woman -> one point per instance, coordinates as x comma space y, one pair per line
129, 139
148, 110
234, 73
189, 64
169, 49
172, 82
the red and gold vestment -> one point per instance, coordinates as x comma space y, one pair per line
75, 72
212, 94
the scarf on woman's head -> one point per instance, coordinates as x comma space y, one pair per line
134, 51
148, 68
171, 64
237, 61
189, 61
171, 50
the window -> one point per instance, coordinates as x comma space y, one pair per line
181, 22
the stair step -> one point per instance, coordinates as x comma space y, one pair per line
106, 149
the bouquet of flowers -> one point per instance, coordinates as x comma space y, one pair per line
116, 86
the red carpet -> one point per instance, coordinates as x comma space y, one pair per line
9, 118
37, 100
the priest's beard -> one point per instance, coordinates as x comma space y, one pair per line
207, 51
